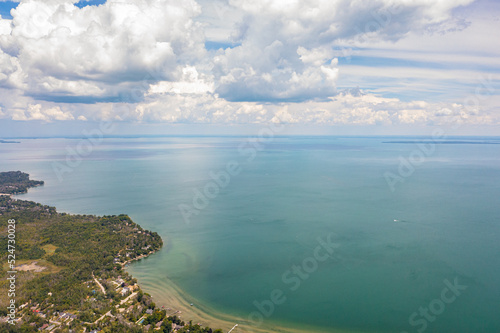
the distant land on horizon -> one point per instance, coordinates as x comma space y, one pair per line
152, 136
447, 142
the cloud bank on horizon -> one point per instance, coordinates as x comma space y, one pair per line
251, 61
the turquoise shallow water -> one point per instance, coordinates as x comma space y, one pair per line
393, 252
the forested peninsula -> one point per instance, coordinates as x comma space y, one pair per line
64, 273
16, 182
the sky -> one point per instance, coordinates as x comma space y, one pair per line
384, 67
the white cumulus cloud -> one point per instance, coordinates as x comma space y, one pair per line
278, 60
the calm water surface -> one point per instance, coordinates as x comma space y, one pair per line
393, 249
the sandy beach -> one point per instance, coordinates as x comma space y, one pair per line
170, 297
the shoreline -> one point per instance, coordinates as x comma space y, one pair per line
180, 303
177, 301
142, 256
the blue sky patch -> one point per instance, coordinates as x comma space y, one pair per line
83, 3
218, 45
5, 8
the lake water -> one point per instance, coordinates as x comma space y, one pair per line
259, 234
